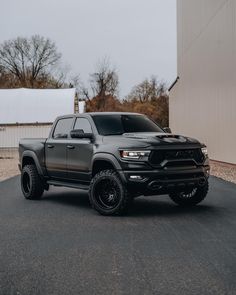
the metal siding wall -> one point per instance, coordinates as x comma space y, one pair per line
203, 103
10, 135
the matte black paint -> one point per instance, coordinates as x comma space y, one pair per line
71, 160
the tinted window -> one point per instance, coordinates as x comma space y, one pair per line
82, 123
119, 124
63, 128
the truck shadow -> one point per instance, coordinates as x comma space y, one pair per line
70, 198
163, 206
143, 206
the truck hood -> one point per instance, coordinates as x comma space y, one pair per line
160, 138
150, 138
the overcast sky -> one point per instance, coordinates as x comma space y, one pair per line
138, 36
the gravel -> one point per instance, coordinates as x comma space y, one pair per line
8, 168
8, 163
224, 171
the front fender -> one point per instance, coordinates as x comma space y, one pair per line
112, 160
106, 157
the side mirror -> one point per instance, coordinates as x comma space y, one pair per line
167, 130
79, 133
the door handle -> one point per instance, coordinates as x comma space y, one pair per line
50, 146
71, 147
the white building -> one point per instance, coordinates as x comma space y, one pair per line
203, 101
31, 112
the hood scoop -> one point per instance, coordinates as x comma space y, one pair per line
170, 138
167, 136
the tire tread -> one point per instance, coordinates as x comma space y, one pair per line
37, 188
196, 199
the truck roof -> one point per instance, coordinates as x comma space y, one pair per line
99, 113
112, 113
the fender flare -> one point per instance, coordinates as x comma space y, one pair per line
106, 157
112, 160
33, 156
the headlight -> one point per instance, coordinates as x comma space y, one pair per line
134, 154
204, 151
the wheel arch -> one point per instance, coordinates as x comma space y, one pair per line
103, 161
30, 157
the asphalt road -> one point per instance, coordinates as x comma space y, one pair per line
59, 245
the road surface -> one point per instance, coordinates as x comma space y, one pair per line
59, 245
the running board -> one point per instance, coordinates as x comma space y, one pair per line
68, 184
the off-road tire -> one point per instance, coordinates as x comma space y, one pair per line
123, 199
198, 197
31, 183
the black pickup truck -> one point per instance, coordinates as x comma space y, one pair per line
115, 157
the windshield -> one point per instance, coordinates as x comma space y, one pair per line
119, 124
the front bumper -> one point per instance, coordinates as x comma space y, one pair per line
164, 181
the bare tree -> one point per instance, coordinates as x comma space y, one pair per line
28, 60
148, 90
103, 82
75, 82
149, 97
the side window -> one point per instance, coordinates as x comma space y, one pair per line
83, 124
63, 128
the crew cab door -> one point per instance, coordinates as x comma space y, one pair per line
56, 148
79, 153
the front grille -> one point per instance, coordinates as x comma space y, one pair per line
157, 157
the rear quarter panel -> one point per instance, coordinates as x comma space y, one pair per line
35, 146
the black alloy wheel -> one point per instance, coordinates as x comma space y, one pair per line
107, 194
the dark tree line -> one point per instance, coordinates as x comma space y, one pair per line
148, 97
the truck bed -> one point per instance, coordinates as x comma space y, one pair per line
36, 145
